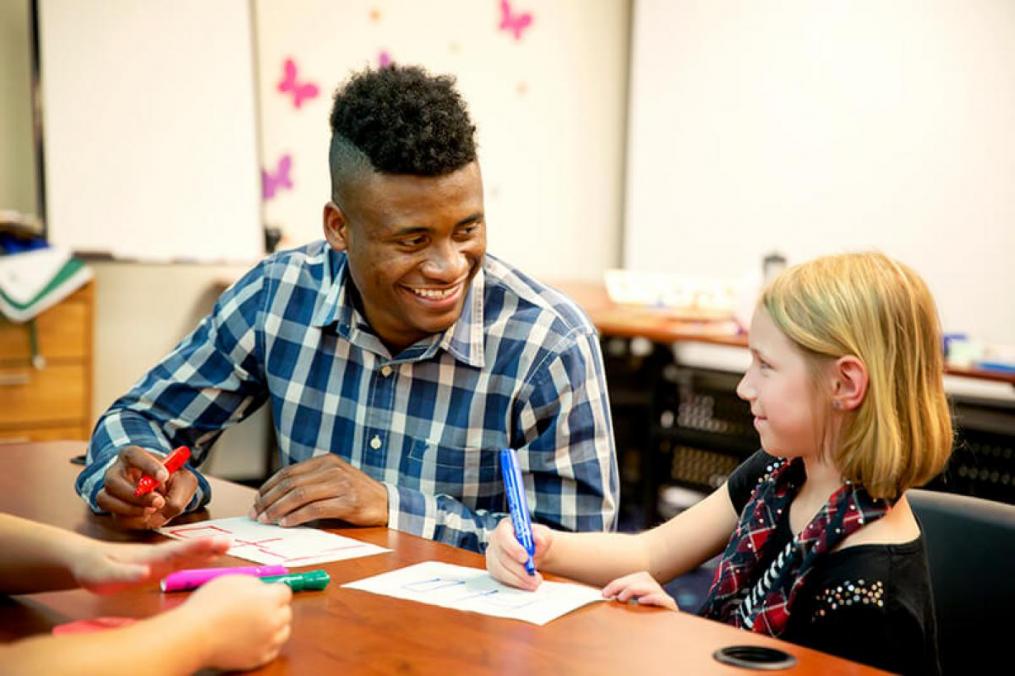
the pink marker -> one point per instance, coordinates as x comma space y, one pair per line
184, 580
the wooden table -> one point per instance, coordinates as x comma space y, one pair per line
353, 632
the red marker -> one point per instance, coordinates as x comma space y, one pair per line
172, 462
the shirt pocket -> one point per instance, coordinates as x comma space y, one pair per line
469, 474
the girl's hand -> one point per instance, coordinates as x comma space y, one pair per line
242, 621
505, 557
641, 587
106, 567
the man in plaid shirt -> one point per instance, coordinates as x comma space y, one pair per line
397, 357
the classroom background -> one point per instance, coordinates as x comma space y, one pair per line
682, 138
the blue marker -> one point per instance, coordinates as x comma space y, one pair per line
517, 506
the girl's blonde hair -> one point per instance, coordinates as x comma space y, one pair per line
880, 311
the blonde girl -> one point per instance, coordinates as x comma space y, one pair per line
817, 540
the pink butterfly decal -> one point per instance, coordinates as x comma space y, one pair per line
514, 22
300, 90
383, 59
272, 182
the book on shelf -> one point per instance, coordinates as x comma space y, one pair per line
34, 281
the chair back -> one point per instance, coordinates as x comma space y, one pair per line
971, 553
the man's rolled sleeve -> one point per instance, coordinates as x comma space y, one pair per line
440, 517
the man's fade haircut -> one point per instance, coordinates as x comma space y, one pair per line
399, 120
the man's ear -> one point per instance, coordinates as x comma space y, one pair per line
849, 383
336, 227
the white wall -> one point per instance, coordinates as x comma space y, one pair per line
142, 311
549, 110
813, 127
17, 153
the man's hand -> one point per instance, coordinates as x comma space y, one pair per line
325, 487
153, 510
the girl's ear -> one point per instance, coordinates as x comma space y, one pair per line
849, 383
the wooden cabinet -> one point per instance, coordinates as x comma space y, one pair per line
53, 402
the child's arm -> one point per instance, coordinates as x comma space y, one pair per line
692, 537
233, 622
35, 557
681, 544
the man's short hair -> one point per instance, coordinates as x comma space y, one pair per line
399, 120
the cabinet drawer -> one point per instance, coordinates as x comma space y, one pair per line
63, 333
31, 397
61, 433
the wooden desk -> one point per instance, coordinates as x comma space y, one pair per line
627, 321
632, 322
353, 632
55, 401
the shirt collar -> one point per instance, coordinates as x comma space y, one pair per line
464, 340
333, 304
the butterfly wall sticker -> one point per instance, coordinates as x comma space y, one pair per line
289, 84
273, 181
514, 22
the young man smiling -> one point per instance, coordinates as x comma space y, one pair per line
397, 356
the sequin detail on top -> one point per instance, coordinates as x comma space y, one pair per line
849, 593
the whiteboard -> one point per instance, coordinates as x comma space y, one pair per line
149, 124
819, 127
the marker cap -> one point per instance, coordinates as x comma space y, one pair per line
311, 580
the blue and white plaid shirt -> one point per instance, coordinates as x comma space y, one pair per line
521, 368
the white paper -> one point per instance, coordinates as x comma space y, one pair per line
471, 589
290, 547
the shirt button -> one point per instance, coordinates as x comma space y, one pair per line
375, 443
386, 371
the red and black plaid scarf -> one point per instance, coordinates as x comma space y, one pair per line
761, 600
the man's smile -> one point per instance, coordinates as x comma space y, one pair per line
437, 294
437, 298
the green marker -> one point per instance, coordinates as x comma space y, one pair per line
312, 580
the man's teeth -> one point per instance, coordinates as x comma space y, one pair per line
434, 293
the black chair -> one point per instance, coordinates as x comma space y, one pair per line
971, 552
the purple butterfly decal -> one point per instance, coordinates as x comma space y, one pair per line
383, 59
271, 182
300, 91
514, 22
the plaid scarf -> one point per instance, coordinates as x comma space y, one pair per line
761, 600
